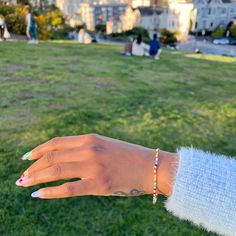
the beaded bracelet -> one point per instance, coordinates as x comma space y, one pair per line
155, 178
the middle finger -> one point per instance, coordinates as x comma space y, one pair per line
59, 171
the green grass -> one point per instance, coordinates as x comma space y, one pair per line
211, 57
68, 89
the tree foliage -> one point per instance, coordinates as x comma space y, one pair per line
233, 31
168, 37
133, 33
15, 20
219, 32
50, 21
101, 28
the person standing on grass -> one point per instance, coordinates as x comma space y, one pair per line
31, 27
155, 47
200, 186
2, 27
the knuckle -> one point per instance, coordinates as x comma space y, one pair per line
57, 170
91, 138
95, 148
50, 157
70, 189
55, 141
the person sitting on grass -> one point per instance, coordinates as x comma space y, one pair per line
31, 27
128, 47
200, 186
84, 37
139, 48
155, 47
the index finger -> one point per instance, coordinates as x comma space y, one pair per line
55, 144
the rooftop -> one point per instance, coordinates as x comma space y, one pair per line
148, 11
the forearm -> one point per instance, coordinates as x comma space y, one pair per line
204, 191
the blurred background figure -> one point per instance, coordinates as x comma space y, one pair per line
31, 27
128, 48
2, 27
155, 47
84, 37
139, 48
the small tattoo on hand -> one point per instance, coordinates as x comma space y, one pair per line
133, 192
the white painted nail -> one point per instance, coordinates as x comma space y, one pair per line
36, 194
26, 156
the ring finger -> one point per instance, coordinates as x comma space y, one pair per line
53, 157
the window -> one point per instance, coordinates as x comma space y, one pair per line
204, 24
204, 12
209, 11
173, 23
212, 24
199, 12
196, 25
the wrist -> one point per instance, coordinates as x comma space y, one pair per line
166, 171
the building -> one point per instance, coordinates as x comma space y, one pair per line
69, 9
92, 15
202, 15
180, 15
154, 19
186, 15
208, 15
150, 18
129, 19
149, 3
141, 3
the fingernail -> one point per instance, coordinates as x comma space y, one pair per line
36, 194
22, 181
26, 156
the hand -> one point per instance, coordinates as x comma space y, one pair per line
106, 167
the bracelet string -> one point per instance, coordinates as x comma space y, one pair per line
155, 177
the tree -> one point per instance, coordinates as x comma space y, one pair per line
16, 20
219, 32
168, 37
233, 31
101, 28
50, 22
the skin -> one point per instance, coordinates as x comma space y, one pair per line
105, 166
27, 32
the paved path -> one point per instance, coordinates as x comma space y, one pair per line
207, 47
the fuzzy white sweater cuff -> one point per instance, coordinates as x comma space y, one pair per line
205, 191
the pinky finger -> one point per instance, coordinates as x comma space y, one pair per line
70, 189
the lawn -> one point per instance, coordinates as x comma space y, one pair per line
58, 89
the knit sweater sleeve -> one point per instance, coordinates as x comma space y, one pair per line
204, 191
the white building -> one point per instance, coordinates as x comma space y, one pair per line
155, 19
180, 15
184, 16
150, 18
9, 2
141, 3
92, 15
208, 15
69, 9
149, 3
